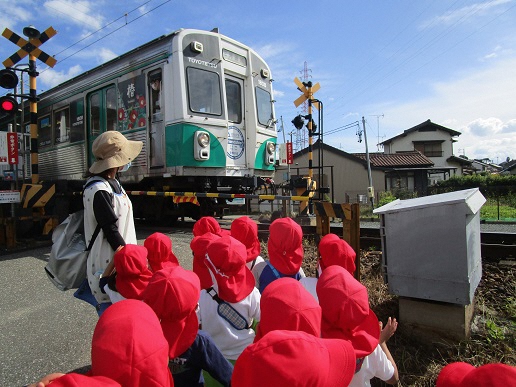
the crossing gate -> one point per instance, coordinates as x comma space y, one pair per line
350, 215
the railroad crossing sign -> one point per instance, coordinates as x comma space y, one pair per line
29, 47
307, 93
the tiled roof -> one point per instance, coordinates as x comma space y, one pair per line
423, 127
397, 160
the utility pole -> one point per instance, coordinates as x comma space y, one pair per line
370, 189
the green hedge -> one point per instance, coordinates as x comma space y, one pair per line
490, 185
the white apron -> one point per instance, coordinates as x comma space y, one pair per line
101, 253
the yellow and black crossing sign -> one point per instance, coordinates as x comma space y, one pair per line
36, 195
31, 47
307, 93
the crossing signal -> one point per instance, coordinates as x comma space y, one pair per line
8, 106
8, 79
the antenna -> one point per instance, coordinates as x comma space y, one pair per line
378, 128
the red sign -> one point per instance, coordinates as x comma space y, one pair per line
290, 155
12, 148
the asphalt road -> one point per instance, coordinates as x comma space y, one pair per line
45, 330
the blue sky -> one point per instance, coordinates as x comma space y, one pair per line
396, 63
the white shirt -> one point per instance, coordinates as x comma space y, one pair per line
113, 296
375, 365
231, 342
310, 284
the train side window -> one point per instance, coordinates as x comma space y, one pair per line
77, 120
234, 101
155, 95
45, 131
204, 91
61, 126
94, 106
264, 106
111, 114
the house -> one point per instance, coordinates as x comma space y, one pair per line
403, 170
485, 165
433, 141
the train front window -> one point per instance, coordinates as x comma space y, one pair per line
264, 107
62, 126
204, 91
234, 101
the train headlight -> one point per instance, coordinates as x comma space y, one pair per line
201, 145
203, 139
270, 149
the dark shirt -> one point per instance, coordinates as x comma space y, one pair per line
203, 354
269, 274
105, 214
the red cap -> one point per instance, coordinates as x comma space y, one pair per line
289, 358
286, 305
159, 248
132, 272
78, 380
245, 230
226, 258
336, 251
345, 310
208, 224
128, 346
461, 374
173, 293
199, 246
285, 246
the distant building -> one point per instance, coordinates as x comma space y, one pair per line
433, 141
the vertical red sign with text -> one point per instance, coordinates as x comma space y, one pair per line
290, 156
12, 148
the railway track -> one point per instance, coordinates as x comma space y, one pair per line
494, 245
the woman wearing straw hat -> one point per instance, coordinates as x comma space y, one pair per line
107, 205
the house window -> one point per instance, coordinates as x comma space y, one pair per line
430, 148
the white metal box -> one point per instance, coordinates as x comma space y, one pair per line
431, 246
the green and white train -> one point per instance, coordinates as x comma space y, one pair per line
202, 104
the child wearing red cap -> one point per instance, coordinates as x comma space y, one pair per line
199, 246
286, 305
295, 359
173, 293
131, 274
159, 248
128, 349
346, 315
75, 380
333, 251
233, 284
208, 224
285, 248
245, 230
461, 374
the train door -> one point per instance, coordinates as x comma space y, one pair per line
236, 117
156, 114
102, 115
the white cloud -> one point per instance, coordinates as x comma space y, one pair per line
50, 78
104, 54
457, 15
76, 12
480, 105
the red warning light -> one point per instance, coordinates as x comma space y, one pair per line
8, 105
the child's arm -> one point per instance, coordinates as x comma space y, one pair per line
385, 334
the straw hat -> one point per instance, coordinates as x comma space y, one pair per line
111, 150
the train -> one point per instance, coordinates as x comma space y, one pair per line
201, 102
